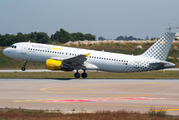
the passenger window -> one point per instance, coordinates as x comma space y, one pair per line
38, 49
28, 48
52, 51
121, 60
43, 50
99, 57
104, 58
31, 48
62, 52
109, 59
57, 52
114, 59
66, 53
95, 57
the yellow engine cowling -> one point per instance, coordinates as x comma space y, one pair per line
56, 65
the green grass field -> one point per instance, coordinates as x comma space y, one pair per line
98, 75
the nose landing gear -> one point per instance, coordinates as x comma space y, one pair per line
23, 68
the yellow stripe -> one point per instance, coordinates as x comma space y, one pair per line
166, 110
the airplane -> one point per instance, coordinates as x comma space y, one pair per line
69, 59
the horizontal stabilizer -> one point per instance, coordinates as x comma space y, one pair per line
163, 65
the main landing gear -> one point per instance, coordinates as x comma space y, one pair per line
77, 75
23, 68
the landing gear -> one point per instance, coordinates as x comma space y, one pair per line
84, 75
77, 75
23, 68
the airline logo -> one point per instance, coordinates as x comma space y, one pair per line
56, 48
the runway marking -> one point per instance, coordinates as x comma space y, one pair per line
132, 95
105, 99
160, 83
166, 110
68, 90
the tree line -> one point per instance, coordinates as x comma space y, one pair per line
58, 37
121, 38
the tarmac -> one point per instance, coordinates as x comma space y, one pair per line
91, 95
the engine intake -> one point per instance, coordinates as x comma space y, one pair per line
56, 65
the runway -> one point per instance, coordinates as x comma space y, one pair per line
90, 95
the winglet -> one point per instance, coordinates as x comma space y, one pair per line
87, 55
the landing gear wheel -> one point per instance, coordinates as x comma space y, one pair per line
77, 75
84, 75
23, 68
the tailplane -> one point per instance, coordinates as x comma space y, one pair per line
159, 50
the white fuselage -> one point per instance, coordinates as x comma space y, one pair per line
105, 61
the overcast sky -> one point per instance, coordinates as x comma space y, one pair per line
107, 18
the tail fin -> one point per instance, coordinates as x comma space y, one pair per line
159, 50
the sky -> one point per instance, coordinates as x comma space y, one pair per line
107, 18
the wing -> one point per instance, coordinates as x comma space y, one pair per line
72, 62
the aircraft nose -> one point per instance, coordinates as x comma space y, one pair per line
5, 52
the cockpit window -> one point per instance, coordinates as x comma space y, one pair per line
13, 46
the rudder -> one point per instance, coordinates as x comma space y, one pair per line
159, 50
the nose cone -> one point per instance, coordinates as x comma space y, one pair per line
4, 51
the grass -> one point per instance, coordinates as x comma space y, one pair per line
98, 75
160, 113
24, 114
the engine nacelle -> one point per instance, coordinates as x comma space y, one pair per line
56, 65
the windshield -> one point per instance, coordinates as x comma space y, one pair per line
13, 46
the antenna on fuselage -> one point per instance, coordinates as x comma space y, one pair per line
29, 41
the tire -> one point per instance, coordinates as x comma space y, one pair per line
84, 75
23, 68
77, 75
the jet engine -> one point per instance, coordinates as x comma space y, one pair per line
56, 65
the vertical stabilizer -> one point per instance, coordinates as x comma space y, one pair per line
159, 50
